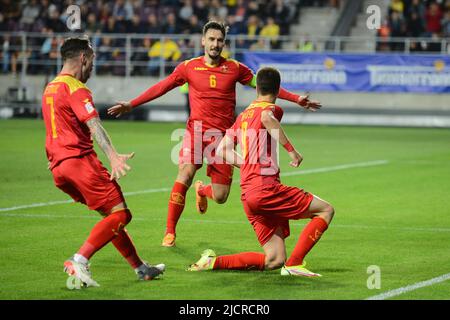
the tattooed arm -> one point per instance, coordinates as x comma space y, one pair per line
118, 163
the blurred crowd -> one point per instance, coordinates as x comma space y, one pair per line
416, 19
101, 19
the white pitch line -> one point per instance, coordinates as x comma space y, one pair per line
415, 286
300, 172
339, 167
52, 203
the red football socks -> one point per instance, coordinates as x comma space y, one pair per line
125, 246
176, 205
206, 191
104, 231
241, 261
308, 238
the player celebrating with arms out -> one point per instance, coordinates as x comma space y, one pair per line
70, 121
269, 205
212, 94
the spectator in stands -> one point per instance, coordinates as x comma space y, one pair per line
153, 26
110, 26
252, 30
415, 26
231, 6
201, 11
171, 25
194, 26
186, 12
417, 7
49, 52
397, 6
433, 17
93, 25
280, 13
235, 27
5, 53
414, 29
136, 25
306, 45
253, 9
105, 13
140, 55
272, 31
15, 53
123, 11
241, 11
165, 50
217, 9
104, 55
29, 15
53, 22
10, 10
398, 29
3, 24
446, 24
384, 33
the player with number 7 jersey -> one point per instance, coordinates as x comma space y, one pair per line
70, 122
212, 83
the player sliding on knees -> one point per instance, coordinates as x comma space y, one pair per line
268, 204
70, 121
212, 95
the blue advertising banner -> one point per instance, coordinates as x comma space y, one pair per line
357, 72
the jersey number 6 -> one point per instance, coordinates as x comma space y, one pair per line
212, 81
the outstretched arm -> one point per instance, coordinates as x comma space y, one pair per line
118, 163
284, 94
275, 130
154, 92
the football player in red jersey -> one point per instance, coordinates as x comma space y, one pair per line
269, 205
212, 94
70, 121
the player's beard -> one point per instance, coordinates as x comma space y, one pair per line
217, 56
86, 73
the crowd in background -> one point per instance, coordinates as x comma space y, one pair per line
415, 19
102, 18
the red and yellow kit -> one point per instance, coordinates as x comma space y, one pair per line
66, 107
212, 90
269, 205
212, 99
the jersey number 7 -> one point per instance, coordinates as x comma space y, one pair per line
51, 103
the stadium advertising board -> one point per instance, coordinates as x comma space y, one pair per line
363, 72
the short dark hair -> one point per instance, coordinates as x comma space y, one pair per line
72, 47
268, 81
216, 26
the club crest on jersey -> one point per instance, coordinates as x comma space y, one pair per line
88, 105
224, 68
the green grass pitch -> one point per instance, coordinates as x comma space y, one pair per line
394, 215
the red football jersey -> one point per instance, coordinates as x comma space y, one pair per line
212, 90
258, 148
66, 106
